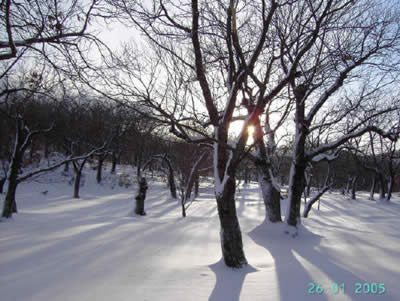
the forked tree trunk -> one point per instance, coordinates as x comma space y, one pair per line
271, 194
78, 175
77, 184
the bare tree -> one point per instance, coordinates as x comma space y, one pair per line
203, 54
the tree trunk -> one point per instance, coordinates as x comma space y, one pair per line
171, 177
114, 162
390, 189
348, 185
183, 207
2, 181
139, 210
11, 183
373, 186
99, 169
270, 193
10, 205
271, 196
354, 186
77, 183
316, 198
381, 187
230, 234
225, 185
46, 147
196, 185
246, 175
298, 167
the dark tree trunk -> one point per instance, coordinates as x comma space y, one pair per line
271, 195
114, 160
77, 183
373, 187
308, 179
381, 187
246, 175
46, 147
140, 198
171, 177
297, 179
196, 185
10, 205
348, 185
354, 187
230, 234
2, 181
316, 198
183, 207
78, 176
99, 169
66, 167
390, 189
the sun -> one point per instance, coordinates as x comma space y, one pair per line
235, 128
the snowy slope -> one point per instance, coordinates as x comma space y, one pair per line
59, 248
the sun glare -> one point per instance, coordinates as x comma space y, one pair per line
236, 127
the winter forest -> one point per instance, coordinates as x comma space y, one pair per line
199, 150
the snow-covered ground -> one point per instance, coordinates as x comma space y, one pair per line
59, 248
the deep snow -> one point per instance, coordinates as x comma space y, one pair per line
59, 248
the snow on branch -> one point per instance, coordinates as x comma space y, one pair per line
330, 146
54, 166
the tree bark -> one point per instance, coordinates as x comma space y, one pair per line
390, 189
230, 234
78, 175
11, 183
373, 186
2, 181
271, 194
309, 205
196, 185
99, 169
140, 198
381, 187
10, 205
354, 186
114, 162
77, 183
298, 167
225, 186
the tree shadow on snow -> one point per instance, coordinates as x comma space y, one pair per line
229, 282
294, 277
